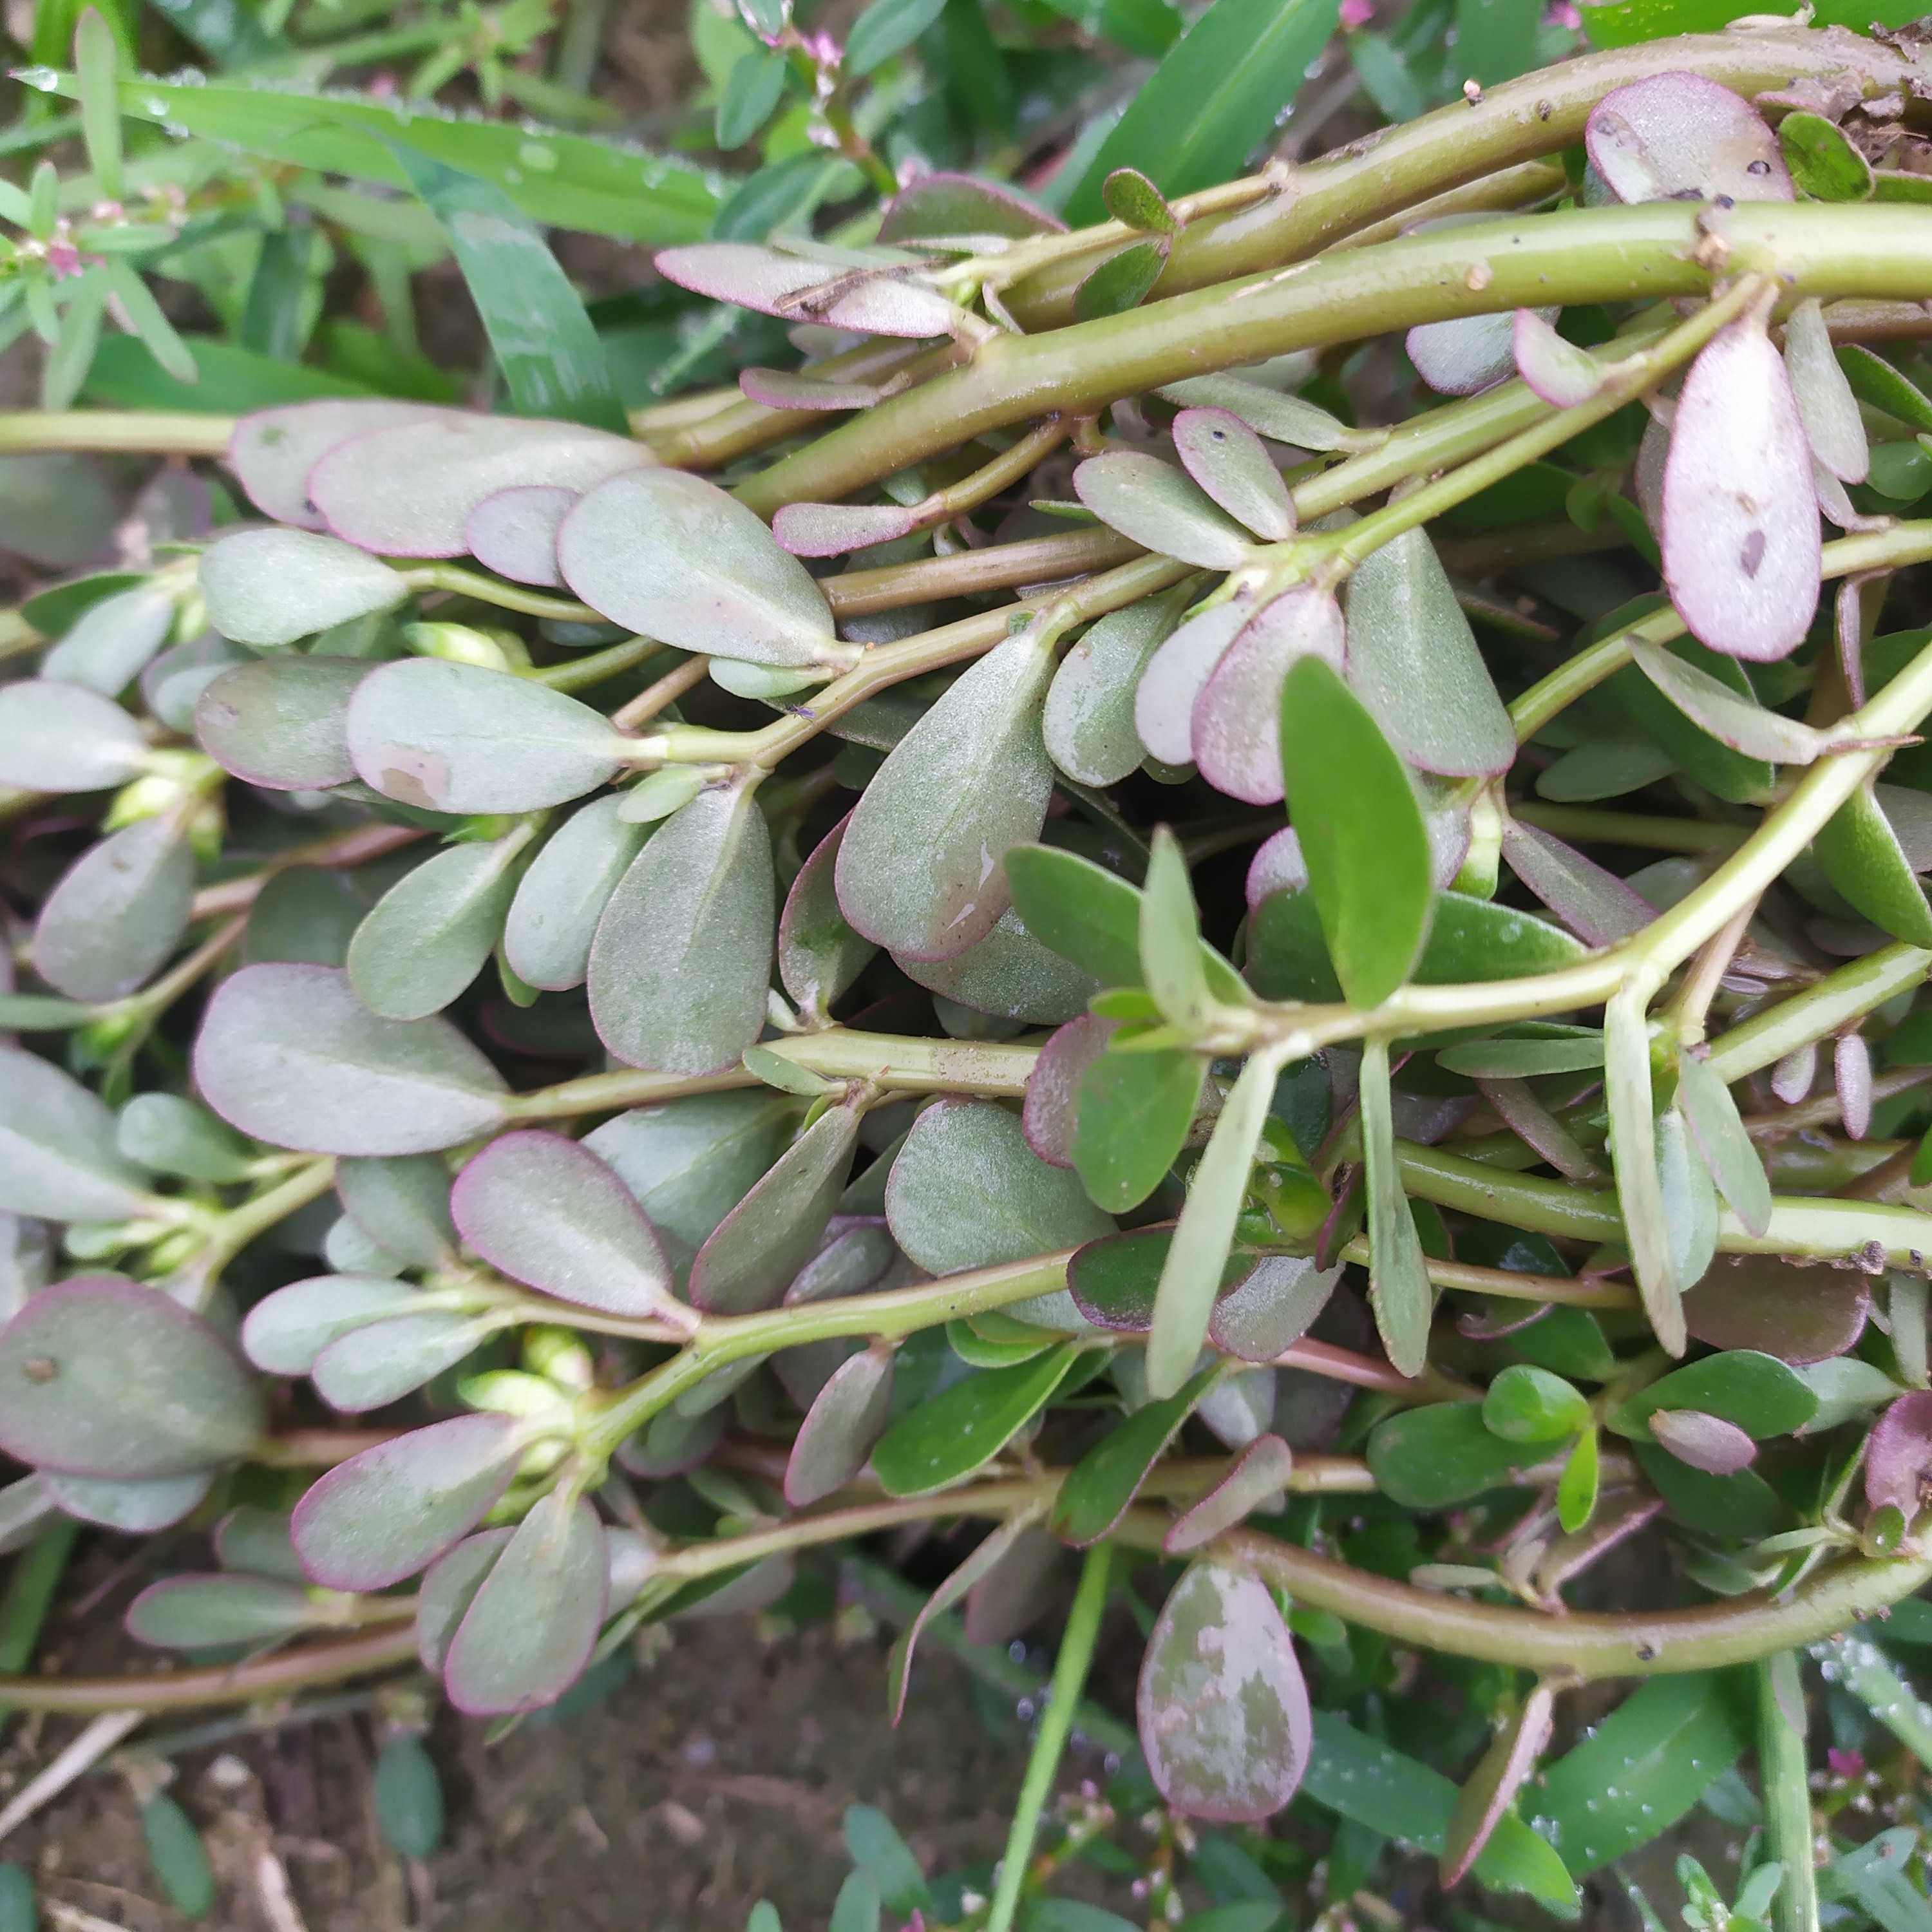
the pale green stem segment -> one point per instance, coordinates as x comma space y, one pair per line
1785, 1777
1056, 1724
1650, 252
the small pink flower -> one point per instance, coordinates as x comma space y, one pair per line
823, 48
1845, 1763
1564, 14
383, 87
64, 258
1357, 13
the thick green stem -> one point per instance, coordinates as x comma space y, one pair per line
1056, 1723
1542, 113
1647, 253
1784, 1776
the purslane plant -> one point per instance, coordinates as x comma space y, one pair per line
800, 1026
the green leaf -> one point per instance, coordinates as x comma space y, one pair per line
753, 91
1525, 1404
1874, 380
1719, 1131
1859, 853
1371, 1783
1643, 1767
1170, 939
1098, 1489
1361, 831
569, 180
551, 359
1577, 1487
886, 28
226, 379
267, 588
1413, 660
1823, 163
1622, 23
919, 869
682, 961
1735, 1508
1633, 1149
1400, 1291
1088, 915
1216, 96
1191, 1275
875, 1847
952, 1435
1469, 939
1131, 198
59, 1159
1495, 39
1764, 1397
1131, 1122
96, 59
408, 1797
117, 913
1431, 1457
179, 1858
431, 933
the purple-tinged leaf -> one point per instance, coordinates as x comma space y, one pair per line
1851, 1075
1100, 1488
1740, 534
114, 640
1235, 734
1732, 719
1829, 411
515, 533
378, 1363
272, 451
101, 1377
1158, 507
1018, 1590
1794, 1076
1559, 372
547, 1211
458, 738
1634, 1150
1272, 1306
117, 912
449, 1588
552, 920
532, 1623
282, 722
408, 490
427, 938
743, 273
986, 1556
1226, 458
1089, 720
1053, 1087
1255, 1480
676, 558
959, 206
286, 1330
1521, 1110
831, 530
57, 737
1223, 1712
1268, 412
1800, 1314
819, 955
885, 305
289, 1054
1178, 673
267, 588
195, 1612
60, 1155
919, 869
1414, 661
1898, 1456
1594, 904
800, 389
1679, 136
1500, 1773
681, 965
1719, 1132
752, 1255
393, 1510
1010, 974
1277, 866
136, 1508
1704, 1441
849, 1415
1467, 354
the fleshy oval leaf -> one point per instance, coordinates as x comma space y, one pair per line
515, 533
282, 722
101, 1377
272, 451
1161, 508
1740, 535
118, 913
1226, 457
289, 1054
1223, 1712
60, 737
1676, 135
546, 1210
1089, 718
677, 559
1235, 733
60, 1155
267, 588
286, 1329
552, 918
430, 934
1255, 1480
849, 1415
194, 1612
457, 738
